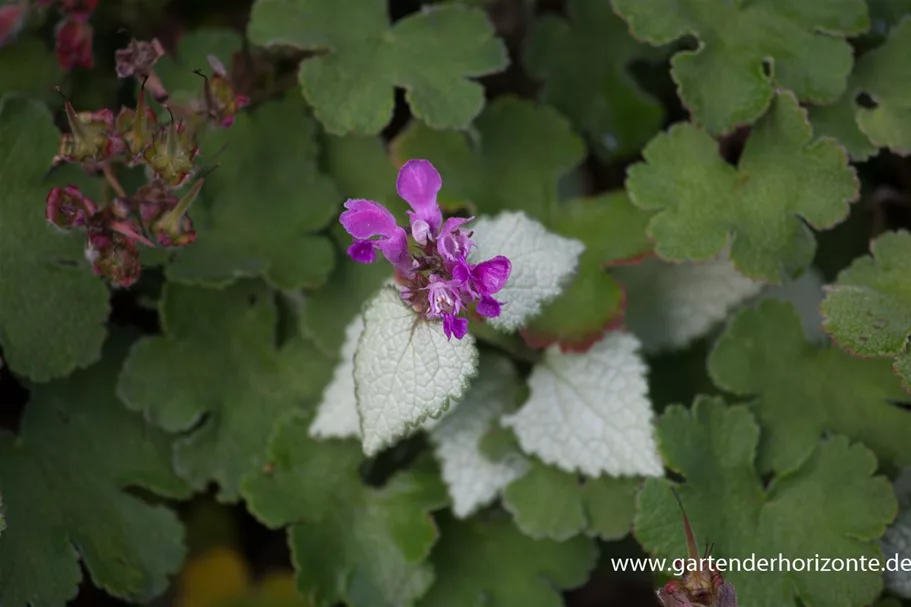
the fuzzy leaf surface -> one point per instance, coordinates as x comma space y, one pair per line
669, 305
361, 58
542, 264
831, 505
474, 480
405, 370
590, 412
724, 82
783, 179
583, 63
63, 480
264, 204
513, 161
884, 74
868, 309
803, 391
550, 503
336, 414
486, 561
351, 543
52, 308
217, 376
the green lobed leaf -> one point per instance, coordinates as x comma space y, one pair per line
748, 50
513, 161
217, 376
612, 229
553, 504
361, 168
265, 203
882, 74
350, 543
583, 62
839, 122
487, 561
803, 391
329, 310
829, 507
52, 308
360, 59
868, 310
63, 480
29, 67
783, 181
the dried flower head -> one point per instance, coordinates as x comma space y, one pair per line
92, 137
138, 58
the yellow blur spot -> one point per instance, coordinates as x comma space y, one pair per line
221, 578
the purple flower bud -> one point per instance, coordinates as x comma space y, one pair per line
68, 207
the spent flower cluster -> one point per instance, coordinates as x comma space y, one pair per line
431, 265
153, 215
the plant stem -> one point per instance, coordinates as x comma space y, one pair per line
112, 180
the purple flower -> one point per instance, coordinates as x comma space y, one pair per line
434, 277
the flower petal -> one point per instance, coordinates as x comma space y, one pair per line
418, 184
395, 249
362, 251
420, 230
491, 275
488, 307
453, 223
454, 326
366, 218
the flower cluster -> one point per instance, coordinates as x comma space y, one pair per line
153, 215
431, 264
73, 33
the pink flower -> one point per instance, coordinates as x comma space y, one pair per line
434, 277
